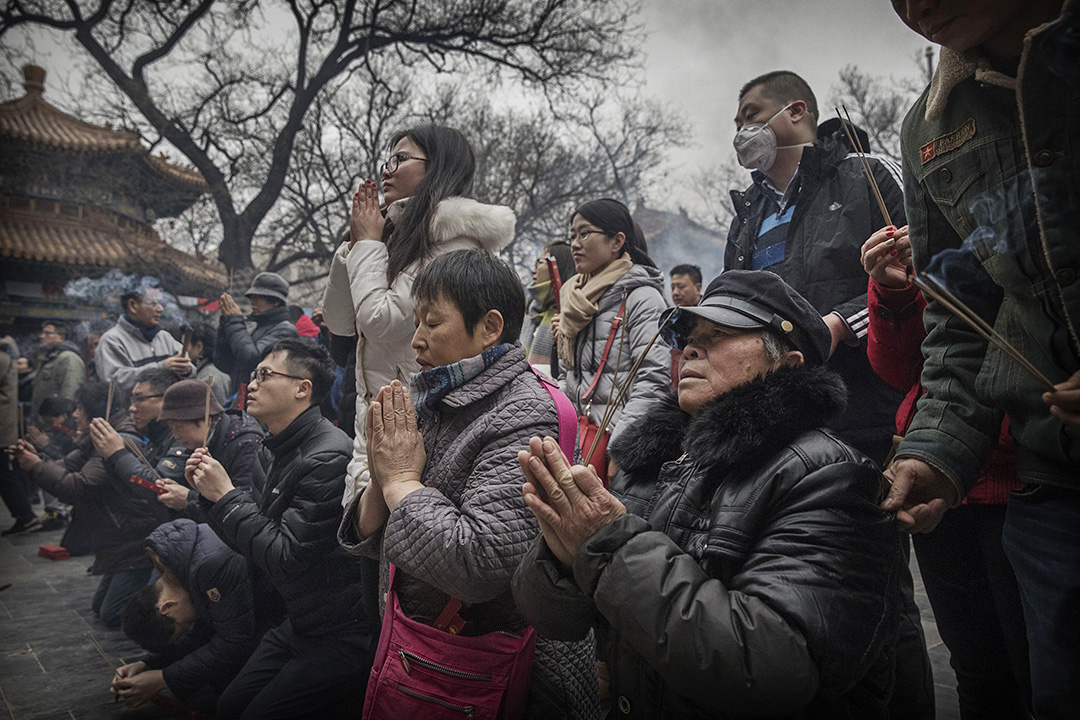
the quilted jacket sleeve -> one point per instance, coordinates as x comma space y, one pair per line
284, 548
218, 661
471, 551
644, 307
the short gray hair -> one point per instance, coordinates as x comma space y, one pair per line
775, 348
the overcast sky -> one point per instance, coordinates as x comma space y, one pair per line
700, 52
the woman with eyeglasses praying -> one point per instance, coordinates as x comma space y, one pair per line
424, 212
609, 313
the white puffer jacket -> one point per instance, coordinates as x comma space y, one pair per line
359, 302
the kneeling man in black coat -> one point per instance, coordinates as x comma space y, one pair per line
196, 620
741, 565
316, 663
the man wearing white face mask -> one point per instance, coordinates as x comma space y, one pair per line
805, 218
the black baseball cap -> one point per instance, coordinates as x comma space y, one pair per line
752, 300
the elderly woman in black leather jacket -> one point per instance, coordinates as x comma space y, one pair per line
742, 567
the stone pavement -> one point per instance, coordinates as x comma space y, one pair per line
49, 668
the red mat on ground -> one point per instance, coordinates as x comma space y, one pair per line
53, 552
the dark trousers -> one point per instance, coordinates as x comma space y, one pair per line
114, 591
976, 603
291, 675
1042, 541
13, 491
913, 682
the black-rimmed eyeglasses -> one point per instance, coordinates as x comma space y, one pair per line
390, 166
263, 374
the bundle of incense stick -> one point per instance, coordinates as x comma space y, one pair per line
134, 448
853, 138
609, 411
953, 304
556, 281
108, 403
185, 342
206, 412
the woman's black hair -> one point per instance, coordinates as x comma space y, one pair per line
93, 397
476, 282
449, 172
613, 217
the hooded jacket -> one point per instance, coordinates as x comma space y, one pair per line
123, 353
360, 303
643, 287
60, 372
286, 526
464, 533
754, 574
991, 165
219, 582
835, 212
111, 517
238, 350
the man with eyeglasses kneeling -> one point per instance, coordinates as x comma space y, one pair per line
742, 566
316, 662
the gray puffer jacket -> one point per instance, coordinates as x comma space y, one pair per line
645, 304
464, 534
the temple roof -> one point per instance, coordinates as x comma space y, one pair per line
92, 243
33, 121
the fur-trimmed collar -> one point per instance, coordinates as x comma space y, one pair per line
953, 68
743, 425
491, 226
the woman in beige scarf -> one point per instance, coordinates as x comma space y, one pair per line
613, 265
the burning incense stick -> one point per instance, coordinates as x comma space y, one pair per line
962, 311
108, 403
609, 412
556, 281
853, 138
101, 651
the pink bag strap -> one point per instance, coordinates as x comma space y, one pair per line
568, 419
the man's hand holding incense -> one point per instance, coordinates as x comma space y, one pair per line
137, 688
24, 454
570, 502
106, 440
1064, 402
920, 494
175, 496
37, 437
207, 475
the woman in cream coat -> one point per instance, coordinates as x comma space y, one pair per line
372, 273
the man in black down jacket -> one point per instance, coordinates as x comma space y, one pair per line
196, 620
238, 350
320, 657
805, 218
747, 570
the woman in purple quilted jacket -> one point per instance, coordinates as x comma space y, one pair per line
444, 504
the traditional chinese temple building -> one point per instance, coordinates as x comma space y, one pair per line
77, 200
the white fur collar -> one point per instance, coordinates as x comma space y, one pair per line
491, 226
